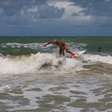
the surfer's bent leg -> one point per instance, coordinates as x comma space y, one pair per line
68, 51
61, 51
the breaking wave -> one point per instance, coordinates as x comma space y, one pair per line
98, 58
20, 45
47, 62
35, 63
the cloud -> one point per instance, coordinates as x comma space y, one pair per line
46, 11
107, 0
96, 7
57, 8
70, 8
55, 15
42, 8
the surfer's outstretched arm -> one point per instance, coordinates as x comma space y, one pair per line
50, 42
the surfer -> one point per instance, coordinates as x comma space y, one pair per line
62, 47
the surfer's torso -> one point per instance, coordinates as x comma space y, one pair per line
60, 44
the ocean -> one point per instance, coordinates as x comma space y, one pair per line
36, 79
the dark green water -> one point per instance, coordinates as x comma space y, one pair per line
94, 44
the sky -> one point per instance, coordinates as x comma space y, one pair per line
55, 17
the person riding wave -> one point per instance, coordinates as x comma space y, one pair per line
62, 47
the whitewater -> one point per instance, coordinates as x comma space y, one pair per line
48, 61
46, 82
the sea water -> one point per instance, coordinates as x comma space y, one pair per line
36, 79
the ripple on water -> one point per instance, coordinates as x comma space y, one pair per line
69, 94
49, 102
82, 103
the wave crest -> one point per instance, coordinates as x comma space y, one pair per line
35, 63
48, 62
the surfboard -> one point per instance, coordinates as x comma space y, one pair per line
77, 54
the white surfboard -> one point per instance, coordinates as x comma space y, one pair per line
79, 53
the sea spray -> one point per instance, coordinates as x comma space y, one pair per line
36, 62
98, 58
47, 62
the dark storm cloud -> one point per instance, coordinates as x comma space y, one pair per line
50, 12
14, 7
93, 7
55, 16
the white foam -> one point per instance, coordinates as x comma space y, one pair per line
19, 45
33, 63
98, 58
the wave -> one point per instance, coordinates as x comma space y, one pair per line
20, 45
47, 62
37, 46
98, 58
35, 63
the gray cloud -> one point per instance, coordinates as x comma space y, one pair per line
45, 10
96, 7
54, 15
87, 7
